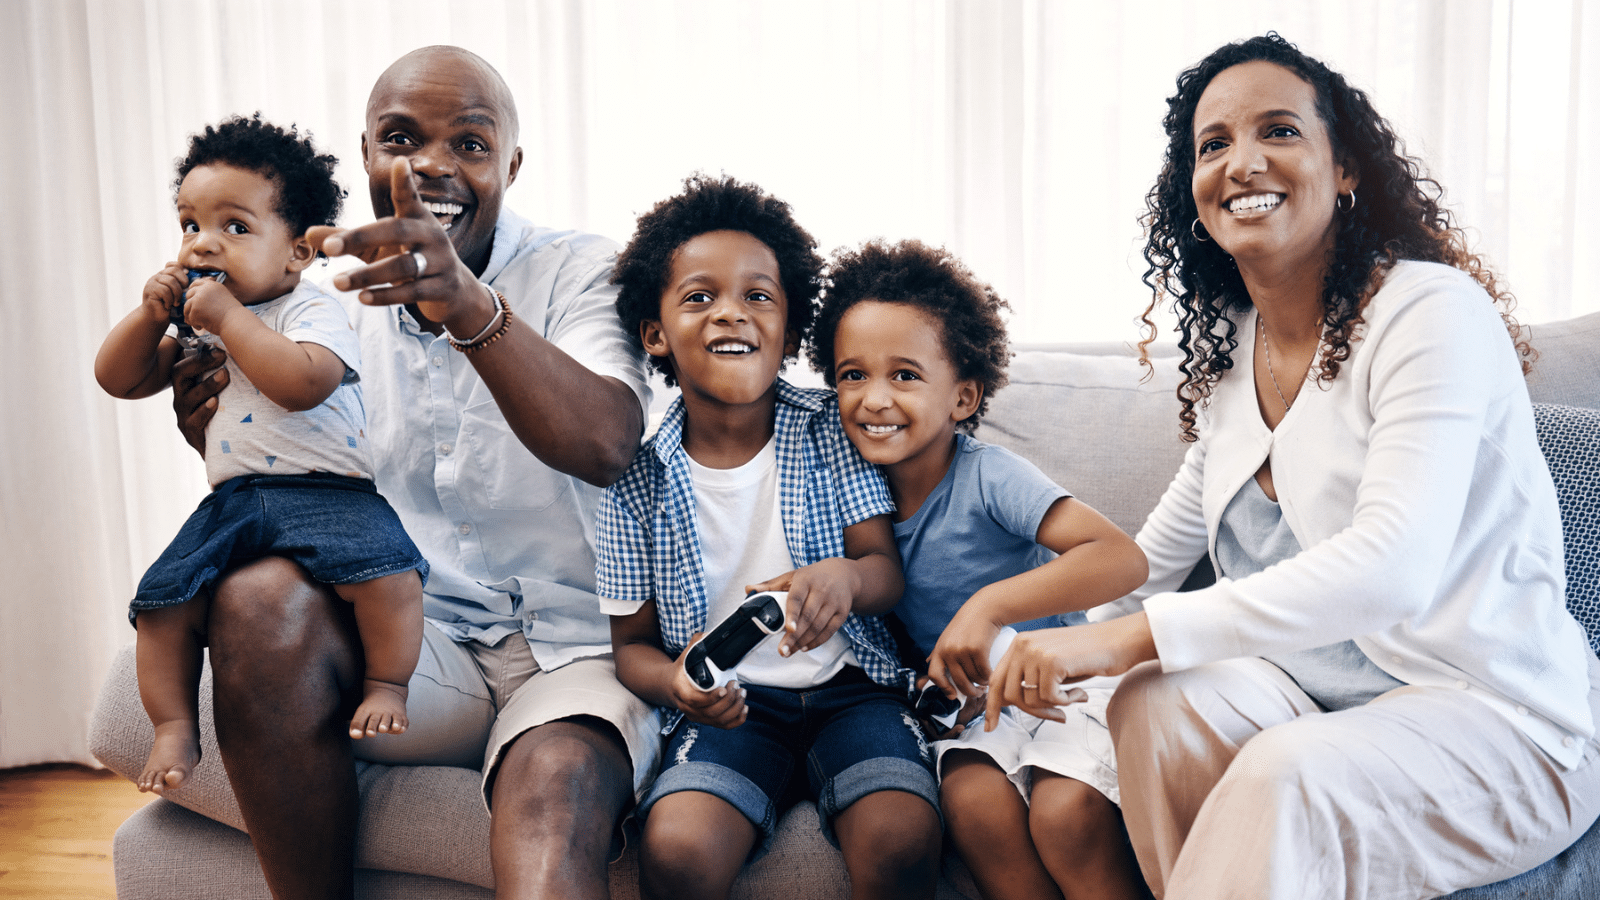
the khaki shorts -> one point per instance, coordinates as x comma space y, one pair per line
469, 701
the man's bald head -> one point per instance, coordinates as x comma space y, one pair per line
426, 63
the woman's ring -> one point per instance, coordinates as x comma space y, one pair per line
421, 263
1027, 686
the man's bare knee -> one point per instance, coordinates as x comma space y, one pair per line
571, 767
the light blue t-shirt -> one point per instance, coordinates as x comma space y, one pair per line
977, 527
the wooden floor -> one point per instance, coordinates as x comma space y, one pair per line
56, 823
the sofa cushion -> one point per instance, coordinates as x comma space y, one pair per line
1090, 421
1567, 371
1570, 439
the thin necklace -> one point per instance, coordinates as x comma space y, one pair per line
1266, 347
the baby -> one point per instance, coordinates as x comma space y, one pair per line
286, 450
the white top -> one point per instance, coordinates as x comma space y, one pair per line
742, 542
1416, 483
510, 540
251, 435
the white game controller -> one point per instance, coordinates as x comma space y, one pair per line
934, 706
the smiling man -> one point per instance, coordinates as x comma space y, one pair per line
502, 394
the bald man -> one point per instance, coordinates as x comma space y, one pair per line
502, 396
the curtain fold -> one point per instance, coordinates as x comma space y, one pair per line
1023, 134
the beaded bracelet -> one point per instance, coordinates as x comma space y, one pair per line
498, 325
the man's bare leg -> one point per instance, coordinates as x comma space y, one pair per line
287, 669
389, 617
559, 792
169, 651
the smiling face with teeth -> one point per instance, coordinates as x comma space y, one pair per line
452, 116
1265, 177
900, 397
724, 324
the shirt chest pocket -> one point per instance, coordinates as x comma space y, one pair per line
491, 457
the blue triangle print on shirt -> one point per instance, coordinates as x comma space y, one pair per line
271, 460
248, 417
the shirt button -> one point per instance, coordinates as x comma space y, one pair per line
1522, 710
1462, 685
465, 528
534, 616
1397, 660
444, 449
1568, 741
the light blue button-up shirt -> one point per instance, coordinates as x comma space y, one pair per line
510, 540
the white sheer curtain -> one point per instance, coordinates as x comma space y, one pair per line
1021, 133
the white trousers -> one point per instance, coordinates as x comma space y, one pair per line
1235, 785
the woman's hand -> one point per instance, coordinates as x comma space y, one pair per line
445, 292
1037, 672
721, 707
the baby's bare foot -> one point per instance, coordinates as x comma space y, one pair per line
382, 709
173, 756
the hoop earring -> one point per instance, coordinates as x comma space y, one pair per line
1194, 229
1339, 204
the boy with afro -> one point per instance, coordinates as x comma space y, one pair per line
916, 347
286, 451
750, 485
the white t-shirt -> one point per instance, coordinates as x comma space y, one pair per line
742, 542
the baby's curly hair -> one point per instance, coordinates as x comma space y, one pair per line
930, 279
1399, 216
307, 192
713, 204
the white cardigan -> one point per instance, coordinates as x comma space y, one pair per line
1416, 482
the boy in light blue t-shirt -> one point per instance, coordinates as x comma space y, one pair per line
916, 347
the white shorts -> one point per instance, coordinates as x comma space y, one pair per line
1079, 748
469, 701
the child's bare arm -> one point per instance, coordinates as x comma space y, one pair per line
866, 580
136, 359
644, 667
295, 376
1098, 563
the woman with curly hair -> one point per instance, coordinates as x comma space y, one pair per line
1383, 694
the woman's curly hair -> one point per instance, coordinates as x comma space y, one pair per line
308, 194
713, 204
1399, 216
930, 279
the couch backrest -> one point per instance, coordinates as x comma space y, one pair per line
1081, 413
1568, 368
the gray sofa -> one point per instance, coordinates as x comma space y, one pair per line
1081, 412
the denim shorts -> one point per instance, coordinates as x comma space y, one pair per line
338, 528
834, 744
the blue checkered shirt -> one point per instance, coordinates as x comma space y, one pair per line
648, 539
